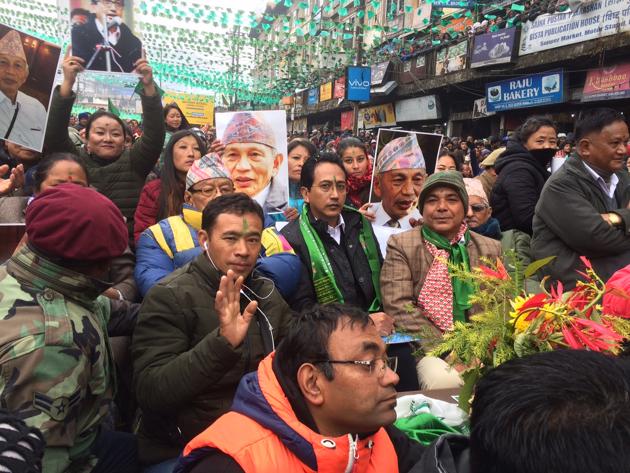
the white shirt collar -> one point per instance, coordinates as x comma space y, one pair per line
261, 197
335, 232
382, 217
4, 98
609, 189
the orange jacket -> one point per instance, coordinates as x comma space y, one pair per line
263, 435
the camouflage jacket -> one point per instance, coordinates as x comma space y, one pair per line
55, 361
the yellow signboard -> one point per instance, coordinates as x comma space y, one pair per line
198, 109
325, 91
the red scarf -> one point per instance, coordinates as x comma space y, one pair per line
357, 184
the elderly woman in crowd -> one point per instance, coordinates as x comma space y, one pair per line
117, 173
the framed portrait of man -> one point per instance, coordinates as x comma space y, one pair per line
27, 73
256, 155
103, 35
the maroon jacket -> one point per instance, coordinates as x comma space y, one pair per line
147, 209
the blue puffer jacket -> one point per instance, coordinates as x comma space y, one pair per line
172, 243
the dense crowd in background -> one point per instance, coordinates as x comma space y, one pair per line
153, 319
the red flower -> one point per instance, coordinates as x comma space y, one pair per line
586, 262
500, 272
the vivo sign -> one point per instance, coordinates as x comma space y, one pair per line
358, 83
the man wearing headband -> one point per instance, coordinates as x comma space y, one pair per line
105, 34
22, 117
203, 327
253, 160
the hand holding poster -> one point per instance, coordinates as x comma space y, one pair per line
25, 91
255, 155
102, 34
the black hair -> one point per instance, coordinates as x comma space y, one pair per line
100, 114
237, 204
564, 410
79, 11
351, 142
310, 147
307, 176
531, 126
168, 107
46, 164
309, 334
595, 120
457, 156
172, 187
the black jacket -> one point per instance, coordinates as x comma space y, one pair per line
448, 454
518, 187
348, 260
86, 38
568, 224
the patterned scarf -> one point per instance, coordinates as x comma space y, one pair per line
444, 298
357, 184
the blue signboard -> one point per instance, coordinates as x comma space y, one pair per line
313, 96
493, 48
452, 4
527, 91
358, 82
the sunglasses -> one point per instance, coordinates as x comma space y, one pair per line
478, 207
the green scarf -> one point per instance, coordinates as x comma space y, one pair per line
458, 255
324, 282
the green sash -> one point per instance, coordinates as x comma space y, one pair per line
458, 255
326, 288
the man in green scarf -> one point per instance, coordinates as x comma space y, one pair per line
417, 287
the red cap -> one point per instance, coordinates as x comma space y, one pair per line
74, 222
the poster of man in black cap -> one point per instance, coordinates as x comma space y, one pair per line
102, 34
27, 72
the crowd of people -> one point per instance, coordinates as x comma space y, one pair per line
157, 318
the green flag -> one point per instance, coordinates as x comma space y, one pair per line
111, 108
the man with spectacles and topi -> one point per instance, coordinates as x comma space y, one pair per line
302, 410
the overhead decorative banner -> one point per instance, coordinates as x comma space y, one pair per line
198, 109
325, 91
347, 120
313, 96
379, 115
27, 76
608, 83
358, 83
493, 48
339, 91
451, 59
419, 108
591, 20
527, 91
115, 52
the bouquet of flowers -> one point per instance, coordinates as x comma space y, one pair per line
510, 322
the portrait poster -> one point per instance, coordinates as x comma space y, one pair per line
256, 155
103, 34
27, 78
398, 154
198, 109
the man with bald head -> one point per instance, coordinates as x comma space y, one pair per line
252, 157
22, 118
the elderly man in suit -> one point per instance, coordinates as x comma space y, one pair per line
416, 285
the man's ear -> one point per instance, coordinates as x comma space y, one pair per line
203, 238
277, 162
188, 197
309, 380
584, 148
305, 193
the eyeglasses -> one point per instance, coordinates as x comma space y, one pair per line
113, 3
212, 191
478, 207
378, 365
328, 186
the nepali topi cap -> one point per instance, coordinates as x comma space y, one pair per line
11, 45
400, 153
245, 127
209, 166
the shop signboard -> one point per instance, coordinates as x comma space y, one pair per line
526, 91
418, 108
377, 116
358, 83
452, 3
379, 71
339, 91
493, 48
313, 96
480, 109
325, 91
347, 120
608, 83
590, 20
451, 59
